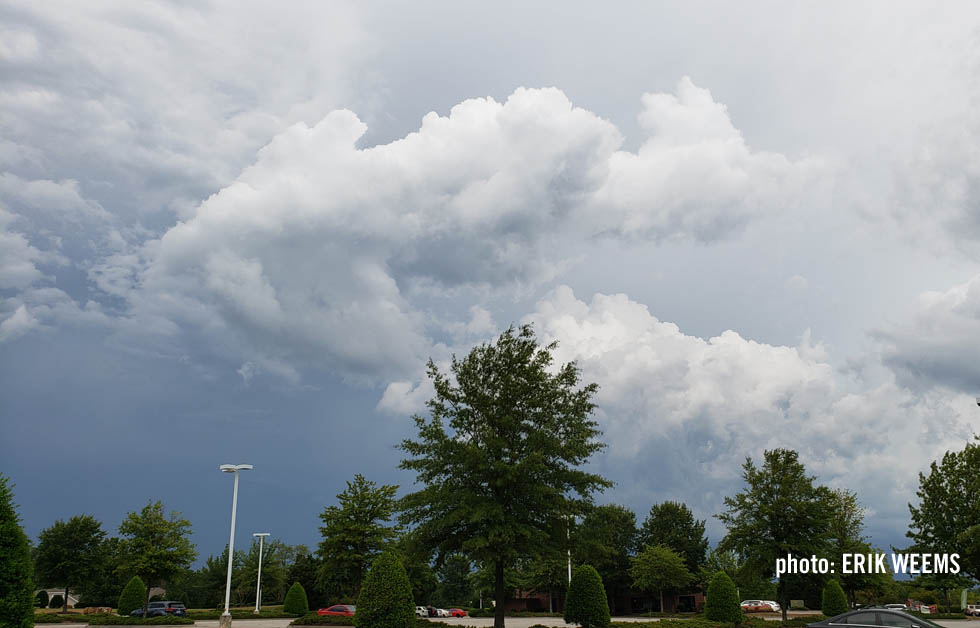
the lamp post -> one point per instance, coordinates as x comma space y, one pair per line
225, 621
258, 587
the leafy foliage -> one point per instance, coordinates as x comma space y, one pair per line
586, 603
296, 602
721, 602
454, 582
499, 455
156, 547
67, 552
386, 596
41, 599
354, 533
304, 571
106, 579
659, 568
16, 568
673, 525
132, 596
833, 602
606, 539
57, 600
116, 620
780, 512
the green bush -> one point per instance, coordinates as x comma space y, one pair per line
56, 601
721, 602
586, 603
59, 618
41, 599
312, 619
16, 568
116, 620
833, 602
132, 596
793, 622
296, 602
385, 600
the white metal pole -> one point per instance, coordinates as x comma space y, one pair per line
231, 544
568, 536
258, 587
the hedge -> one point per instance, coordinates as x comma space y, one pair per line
488, 612
833, 601
116, 620
132, 596
721, 602
385, 600
296, 602
59, 618
312, 619
586, 604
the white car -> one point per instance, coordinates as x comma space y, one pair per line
421, 612
441, 612
776, 608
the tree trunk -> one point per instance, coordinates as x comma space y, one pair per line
146, 602
661, 601
498, 594
65, 608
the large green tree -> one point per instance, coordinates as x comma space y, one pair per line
779, 512
354, 533
106, 579
500, 455
16, 570
606, 539
155, 546
304, 570
846, 536
454, 581
947, 519
68, 553
659, 568
673, 525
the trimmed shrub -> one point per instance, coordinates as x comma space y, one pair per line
833, 602
586, 603
721, 601
312, 619
16, 568
41, 599
56, 601
132, 596
115, 620
296, 602
386, 599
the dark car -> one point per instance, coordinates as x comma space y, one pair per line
875, 617
338, 610
159, 609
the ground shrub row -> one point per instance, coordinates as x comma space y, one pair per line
312, 619
116, 620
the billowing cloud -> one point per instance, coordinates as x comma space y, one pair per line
705, 404
938, 346
316, 252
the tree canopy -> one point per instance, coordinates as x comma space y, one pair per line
156, 546
354, 533
68, 553
16, 569
499, 455
659, 568
779, 512
606, 539
673, 525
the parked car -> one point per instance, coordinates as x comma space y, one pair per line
457, 612
441, 612
421, 612
432, 611
338, 610
773, 605
896, 607
875, 617
159, 609
759, 606
972, 609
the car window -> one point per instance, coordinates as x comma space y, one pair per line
863, 619
894, 619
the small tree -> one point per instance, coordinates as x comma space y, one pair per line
68, 552
132, 596
833, 602
16, 569
659, 568
296, 602
721, 603
41, 599
586, 603
56, 601
386, 596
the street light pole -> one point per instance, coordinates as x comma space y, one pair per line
258, 587
225, 621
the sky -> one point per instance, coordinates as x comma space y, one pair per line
232, 232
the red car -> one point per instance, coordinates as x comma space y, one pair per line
338, 610
457, 612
